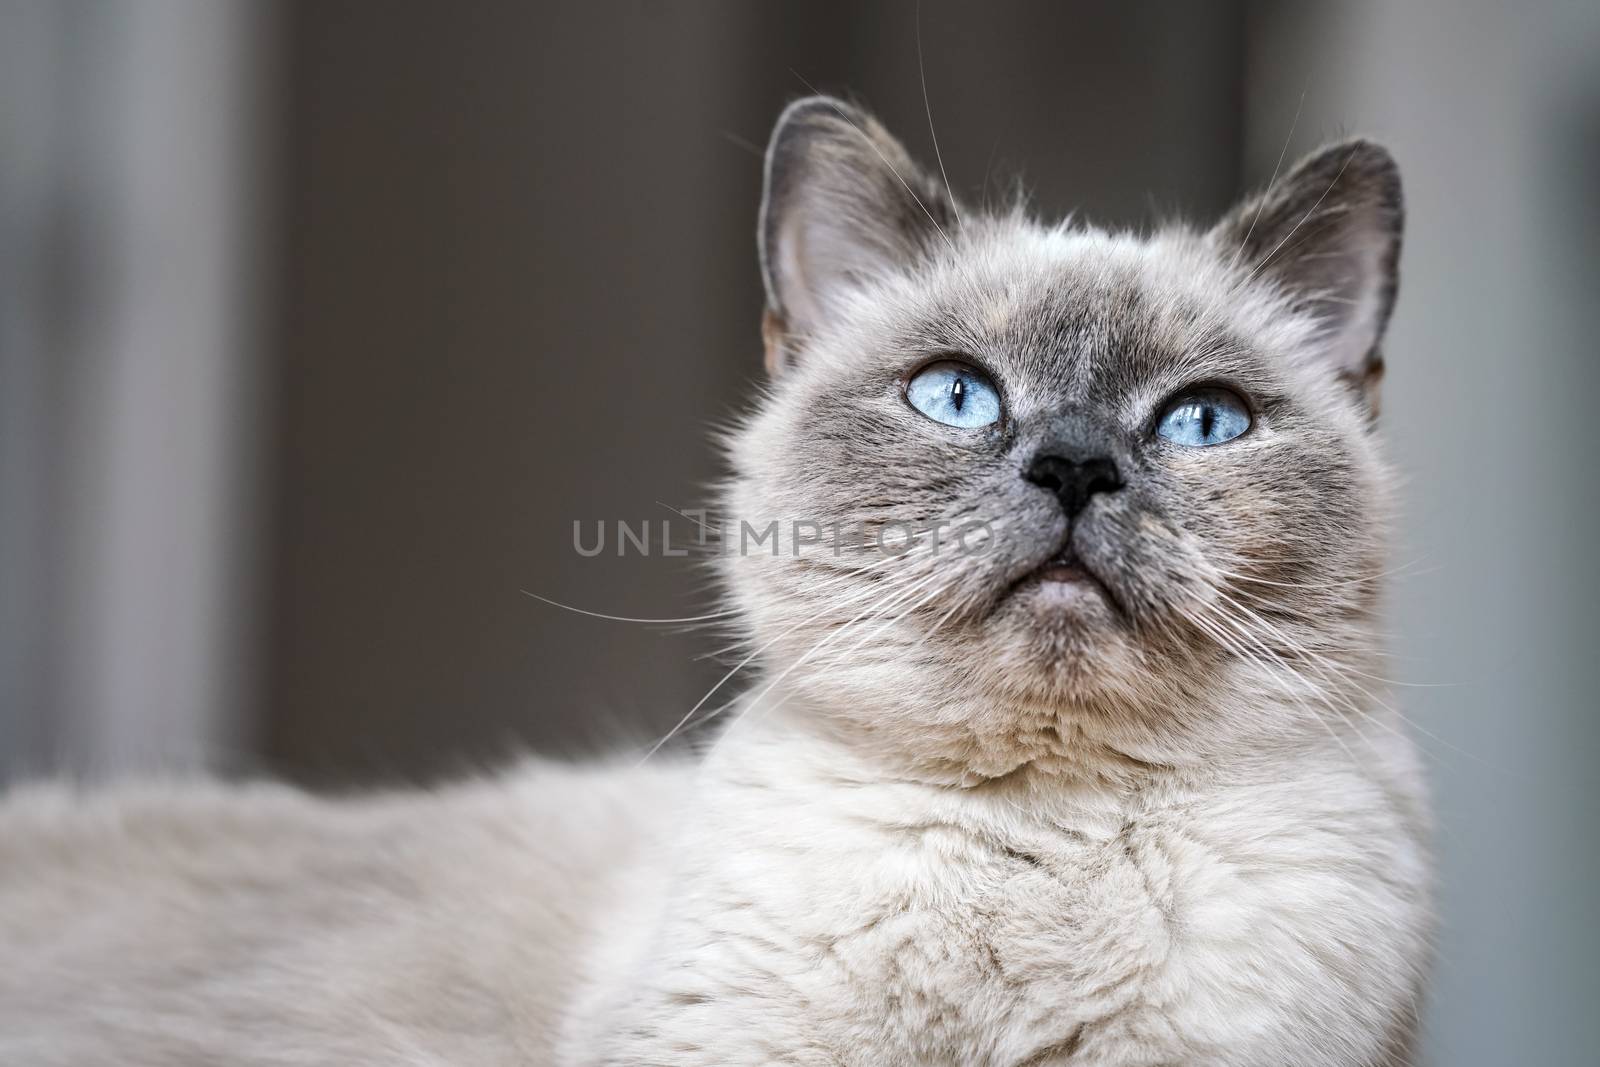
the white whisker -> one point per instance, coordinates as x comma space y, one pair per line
741, 665
827, 640
624, 618
1211, 627
1262, 203
928, 107
1263, 264
879, 152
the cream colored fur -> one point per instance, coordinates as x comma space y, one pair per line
193, 925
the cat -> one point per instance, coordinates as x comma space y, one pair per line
1109, 783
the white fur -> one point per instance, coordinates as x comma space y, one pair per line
785, 901
189, 925
1268, 910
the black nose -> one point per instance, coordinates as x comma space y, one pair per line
1074, 481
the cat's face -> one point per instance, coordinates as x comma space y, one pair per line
1133, 473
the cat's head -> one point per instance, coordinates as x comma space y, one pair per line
1136, 474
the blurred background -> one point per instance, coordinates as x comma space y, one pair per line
321, 323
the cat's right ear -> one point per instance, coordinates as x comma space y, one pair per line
1328, 236
843, 203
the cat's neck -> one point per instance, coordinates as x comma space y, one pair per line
993, 748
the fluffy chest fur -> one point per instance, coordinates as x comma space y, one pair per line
1233, 918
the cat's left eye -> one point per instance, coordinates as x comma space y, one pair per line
1204, 417
955, 393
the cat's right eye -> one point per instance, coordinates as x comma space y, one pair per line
956, 394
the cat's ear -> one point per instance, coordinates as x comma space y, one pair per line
843, 203
1328, 235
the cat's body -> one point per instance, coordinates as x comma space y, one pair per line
182, 925
1119, 790
1230, 915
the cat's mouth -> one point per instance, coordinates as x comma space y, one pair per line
1064, 566
1064, 576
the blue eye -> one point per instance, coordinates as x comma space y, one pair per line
956, 394
1204, 417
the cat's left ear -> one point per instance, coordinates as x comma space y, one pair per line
843, 203
1329, 235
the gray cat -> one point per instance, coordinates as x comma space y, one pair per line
1103, 777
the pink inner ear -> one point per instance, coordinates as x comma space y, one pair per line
819, 255
774, 338
1353, 311
794, 283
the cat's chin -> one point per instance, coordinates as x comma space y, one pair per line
1057, 628
1061, 634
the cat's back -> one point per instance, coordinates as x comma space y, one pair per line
197, 923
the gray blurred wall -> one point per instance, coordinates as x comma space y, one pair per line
135, 282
